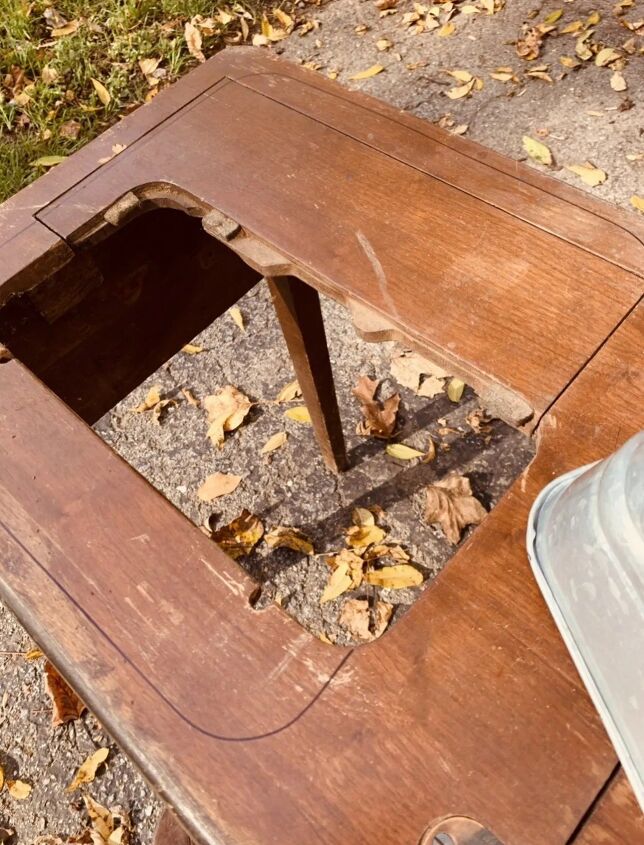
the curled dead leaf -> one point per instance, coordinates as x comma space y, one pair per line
226, 411
356, 618
87, 770
193, 41
240, 536
379, 417
402, 452
286, 537
528, 46
289, 392
451, 504
67, 706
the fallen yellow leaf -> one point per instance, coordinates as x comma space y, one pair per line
446, 30
299, 414
361, 536
101, 91
368, 73
218, 484
606, 56
274, 442
87, 771
536, 150
33, 654
402, 452
356, 618
339, 582
638, 203
226, 411
617, 82
237, 316
18, 789
289, 392
588, 173
192, 349
461, 90
394, 577
455, 389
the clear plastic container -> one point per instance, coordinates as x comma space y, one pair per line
585, 542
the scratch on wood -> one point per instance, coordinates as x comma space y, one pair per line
235, 587
378, 270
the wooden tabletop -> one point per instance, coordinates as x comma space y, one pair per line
253, 729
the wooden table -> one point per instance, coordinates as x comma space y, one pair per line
254, 730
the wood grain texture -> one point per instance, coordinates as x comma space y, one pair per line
479, 262
616, 819
255, 731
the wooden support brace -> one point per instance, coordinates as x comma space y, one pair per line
298, 309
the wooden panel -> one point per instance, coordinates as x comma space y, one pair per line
156, 592
375, 234
616, 820
470, 705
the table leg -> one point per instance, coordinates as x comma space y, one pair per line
298, 309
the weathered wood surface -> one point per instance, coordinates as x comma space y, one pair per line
253, 729
616, 819
250, 726
479, 260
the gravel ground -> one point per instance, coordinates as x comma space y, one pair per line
580, 117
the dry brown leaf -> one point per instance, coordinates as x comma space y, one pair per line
70, 130
431, 386
240, 536
394, 577
356, 617
478, 421
18, 789
274, 442
100, 817
193, 41
569, 62
451, 505
588, 173
67, 706
218, 484
68, 29
226, 411
101, 91
284, 536
361, 536
529, 46
300, 414
237, 317
382, 550
288, 393
379, 417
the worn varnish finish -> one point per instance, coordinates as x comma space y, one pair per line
616, 819
253, 729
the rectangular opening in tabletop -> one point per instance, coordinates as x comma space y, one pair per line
126, 334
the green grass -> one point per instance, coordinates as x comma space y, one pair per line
46, 89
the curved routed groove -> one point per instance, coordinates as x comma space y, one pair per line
146, 680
